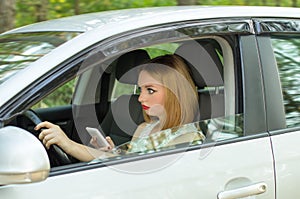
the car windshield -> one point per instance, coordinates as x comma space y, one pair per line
17, 51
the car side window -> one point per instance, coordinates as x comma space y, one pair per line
60, 97
221, 116
287, 51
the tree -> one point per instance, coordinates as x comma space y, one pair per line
76, 7
7, 15
186, 2
294, 3
41, 8
277, 3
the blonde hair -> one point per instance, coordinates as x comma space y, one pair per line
181, 98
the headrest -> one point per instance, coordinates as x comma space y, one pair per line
126, 63
205, 65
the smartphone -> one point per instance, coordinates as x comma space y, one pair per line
100, 138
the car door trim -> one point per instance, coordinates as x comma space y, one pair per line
272, 85
83, 166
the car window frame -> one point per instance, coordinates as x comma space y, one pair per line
234, 25
72, 68
262, 129
272, 84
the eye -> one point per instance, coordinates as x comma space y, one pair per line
151, 91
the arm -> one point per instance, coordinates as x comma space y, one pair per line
53, 134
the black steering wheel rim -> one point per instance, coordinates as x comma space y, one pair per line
56, 155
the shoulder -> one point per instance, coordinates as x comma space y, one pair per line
139, 130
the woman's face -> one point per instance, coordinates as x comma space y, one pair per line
152, 94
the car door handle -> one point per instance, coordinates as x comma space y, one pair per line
242, 192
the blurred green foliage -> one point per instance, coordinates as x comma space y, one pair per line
61, 96
26, 9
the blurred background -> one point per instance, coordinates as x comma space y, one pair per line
16, 13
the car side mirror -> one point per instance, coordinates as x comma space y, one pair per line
23, 157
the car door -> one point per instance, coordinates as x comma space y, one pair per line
235, 161
279, 49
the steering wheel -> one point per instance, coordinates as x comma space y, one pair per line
56, 155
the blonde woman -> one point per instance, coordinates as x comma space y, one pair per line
169, 99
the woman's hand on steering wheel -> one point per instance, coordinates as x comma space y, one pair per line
53, 134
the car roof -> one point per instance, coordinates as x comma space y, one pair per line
154, 15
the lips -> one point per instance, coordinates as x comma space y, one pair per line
145, 107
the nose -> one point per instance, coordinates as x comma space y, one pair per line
141, 97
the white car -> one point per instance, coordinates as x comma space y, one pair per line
75, 72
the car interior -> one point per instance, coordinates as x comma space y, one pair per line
120, 119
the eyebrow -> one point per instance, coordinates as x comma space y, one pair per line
149, 85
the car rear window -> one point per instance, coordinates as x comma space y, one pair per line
287, 51
17, 51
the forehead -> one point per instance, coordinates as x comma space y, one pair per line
146, 79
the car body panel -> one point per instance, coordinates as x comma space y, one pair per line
286, 155
190, 174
